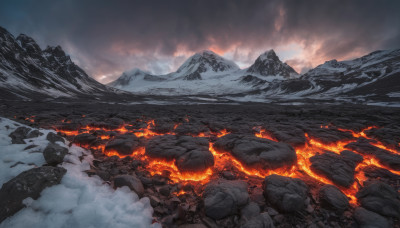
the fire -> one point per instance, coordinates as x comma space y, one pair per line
225, 161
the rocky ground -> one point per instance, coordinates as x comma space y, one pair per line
251, 165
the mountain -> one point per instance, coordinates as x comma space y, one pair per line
373, 76
204, 64
27, 71
268, 64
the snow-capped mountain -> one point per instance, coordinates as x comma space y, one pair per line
204, 64
207, 73
269, 64
27, 70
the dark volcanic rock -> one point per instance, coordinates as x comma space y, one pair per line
51, 137
54, 154
380, 198
131, 181
329, 135
27, 184
84, 139
287, 194
191, 154
257, 152
18, 136
223, 198
385, 157
123, 144
262, 220
332, 198
369, 219
338, 168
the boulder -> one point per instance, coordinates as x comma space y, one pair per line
18, 136
191, 154
369, 219
123, 144
338, 168
257, 153
27, 184
381, 198
54, 154
332, 198
223, 198
131, 182
285, 193
51, 137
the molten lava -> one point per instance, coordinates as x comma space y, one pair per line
225, 161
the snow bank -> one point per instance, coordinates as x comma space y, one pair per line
79, 201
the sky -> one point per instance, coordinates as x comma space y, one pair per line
106, 38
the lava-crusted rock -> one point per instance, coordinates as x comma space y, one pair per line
84, 139
285, 193
123, 144
385, 157
54, 154
191, 154
27, 184
223, 198
369, 219
332, 198
381, 198
131, 182
328, 135
256, 152
262, 220
338, 168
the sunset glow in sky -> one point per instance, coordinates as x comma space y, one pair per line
106, 38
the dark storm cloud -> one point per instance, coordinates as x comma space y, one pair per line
107, 37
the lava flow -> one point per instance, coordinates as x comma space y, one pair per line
226, 161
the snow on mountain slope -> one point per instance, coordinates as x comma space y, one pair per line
27, 70
205, 73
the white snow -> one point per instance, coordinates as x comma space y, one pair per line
78, 201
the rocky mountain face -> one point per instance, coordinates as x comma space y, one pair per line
269, 64
26, 69
204, 63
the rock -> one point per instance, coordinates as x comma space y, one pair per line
369, 219
34, 134
18, 136
257, 153
223, 198
332, 198
131, 181
338, 168
287, 194
84, 139
250, 210
27, 184
51, 137
381, 198
54, 154
123, 144
192, 226
191, 154
262, 220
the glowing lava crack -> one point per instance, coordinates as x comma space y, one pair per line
202, 157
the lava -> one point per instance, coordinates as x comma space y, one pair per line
225, 161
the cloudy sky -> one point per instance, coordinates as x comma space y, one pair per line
106, 37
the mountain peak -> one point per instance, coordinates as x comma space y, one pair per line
29, 44
270, 54
269, 64
205, 62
